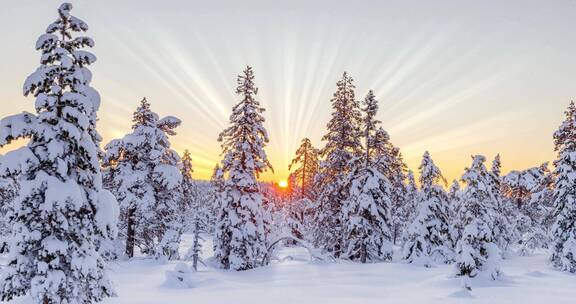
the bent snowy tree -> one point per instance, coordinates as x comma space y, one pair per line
61, 212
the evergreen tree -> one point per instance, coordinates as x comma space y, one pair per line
477, 250
143, 172
61, 212
531, 191
240, 229
8, 190
455, 199
504, 231
430, 235
187, 186
454, 194
307, 161
216, 187
391, 164
185, 211
564, 230
537, 215
194, 210
496, 168
342, 146
366, 212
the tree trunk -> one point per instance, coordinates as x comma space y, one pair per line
130, 234
195, 245
363, 254
303, 190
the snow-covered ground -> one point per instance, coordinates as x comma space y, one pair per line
296, 280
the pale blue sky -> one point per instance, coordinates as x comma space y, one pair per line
454, 77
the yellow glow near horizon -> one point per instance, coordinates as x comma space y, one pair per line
283, 183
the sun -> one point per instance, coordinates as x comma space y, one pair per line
283, 184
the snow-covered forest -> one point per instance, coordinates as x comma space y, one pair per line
83, 221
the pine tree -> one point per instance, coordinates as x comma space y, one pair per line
530, 190
477, 250
240, 232
496, 168
537, 215
454, 194
564, 230
196, 248
61, 211
430, 235
187, 186
194, 210
391, 164
455, 199
142, 171
216, 187
307, 161
366, 212
9, 188
342, 146
503, 215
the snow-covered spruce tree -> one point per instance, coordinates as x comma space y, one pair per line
477, 251
240, 240
189, 202
297, 217
531, 191
454, 195
193, 210
390, 163
142, 171
411, 199
366, 212
8, 190
537, 215
215, 188
564, 230
61, 211
405, 198
518, 186
429, 235
504, 230
455, 202
342, 146
306, 163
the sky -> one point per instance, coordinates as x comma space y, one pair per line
456, 78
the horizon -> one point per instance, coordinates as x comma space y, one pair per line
481, 78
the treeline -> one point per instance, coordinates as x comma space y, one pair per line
68, 206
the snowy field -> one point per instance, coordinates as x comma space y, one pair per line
296, 280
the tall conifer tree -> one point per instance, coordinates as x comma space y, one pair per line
366, 212
429, 235
564, 230
342, 146
306, 160
240, 232
61, 212
477, 250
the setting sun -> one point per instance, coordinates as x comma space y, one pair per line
283, 184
